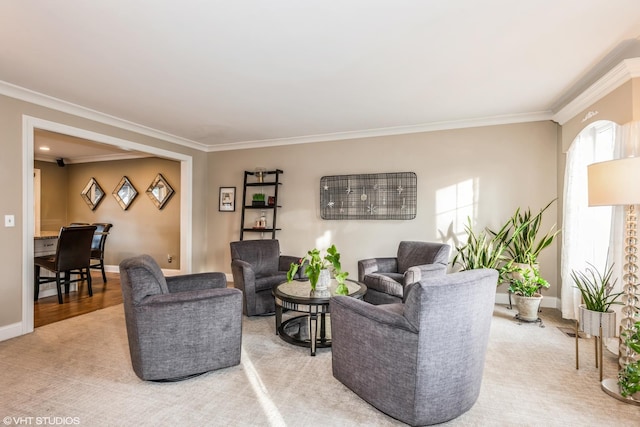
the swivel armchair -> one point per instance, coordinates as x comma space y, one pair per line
420, 361
257, 266
179, 326
388, 278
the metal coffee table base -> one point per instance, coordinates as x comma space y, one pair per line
313, 328
303, 331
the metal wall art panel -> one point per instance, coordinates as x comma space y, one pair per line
369, 196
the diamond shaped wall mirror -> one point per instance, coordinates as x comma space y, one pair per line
125, 193
92, 194
160, 191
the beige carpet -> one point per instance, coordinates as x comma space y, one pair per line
79, 368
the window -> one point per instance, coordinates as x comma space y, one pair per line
586, 230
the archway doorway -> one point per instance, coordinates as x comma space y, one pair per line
30, 124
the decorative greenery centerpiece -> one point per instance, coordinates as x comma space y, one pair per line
629, 376
314, 263
595, 288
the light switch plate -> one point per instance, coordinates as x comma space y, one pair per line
9, 221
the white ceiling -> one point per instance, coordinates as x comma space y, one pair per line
226, 74
51, 146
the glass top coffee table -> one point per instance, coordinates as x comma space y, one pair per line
297, 296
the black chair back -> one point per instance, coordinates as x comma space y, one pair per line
99, 239
74, 247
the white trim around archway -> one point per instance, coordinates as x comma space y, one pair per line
29, 125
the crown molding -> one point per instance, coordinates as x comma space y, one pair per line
399, 130
47, 101
616, 77
37, 98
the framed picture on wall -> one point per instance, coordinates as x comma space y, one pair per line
227, 199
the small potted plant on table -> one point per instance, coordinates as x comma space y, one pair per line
316, 267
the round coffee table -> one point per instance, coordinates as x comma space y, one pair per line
297, 296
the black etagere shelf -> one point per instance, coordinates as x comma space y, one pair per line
269, 182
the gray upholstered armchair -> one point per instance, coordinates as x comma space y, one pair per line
179, 326
388, 278
422, 361
256, 266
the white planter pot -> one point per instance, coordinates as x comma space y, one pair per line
590, 322
528, 307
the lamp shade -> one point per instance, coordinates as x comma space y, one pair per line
616, 182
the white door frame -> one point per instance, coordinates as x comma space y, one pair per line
29, 125
36, 200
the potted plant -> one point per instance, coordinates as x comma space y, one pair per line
258, 199
595, 312
316, 267
482, 251
527, 293
629, 376
523, 240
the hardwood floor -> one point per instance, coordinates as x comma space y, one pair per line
47, 310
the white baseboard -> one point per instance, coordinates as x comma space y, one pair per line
165, 271
548, 302
49, 289
11, 331
501, 297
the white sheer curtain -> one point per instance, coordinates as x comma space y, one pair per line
575, 203
586, 231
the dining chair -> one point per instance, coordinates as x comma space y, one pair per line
97, 247
72, 256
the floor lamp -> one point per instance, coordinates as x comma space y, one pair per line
617, 182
